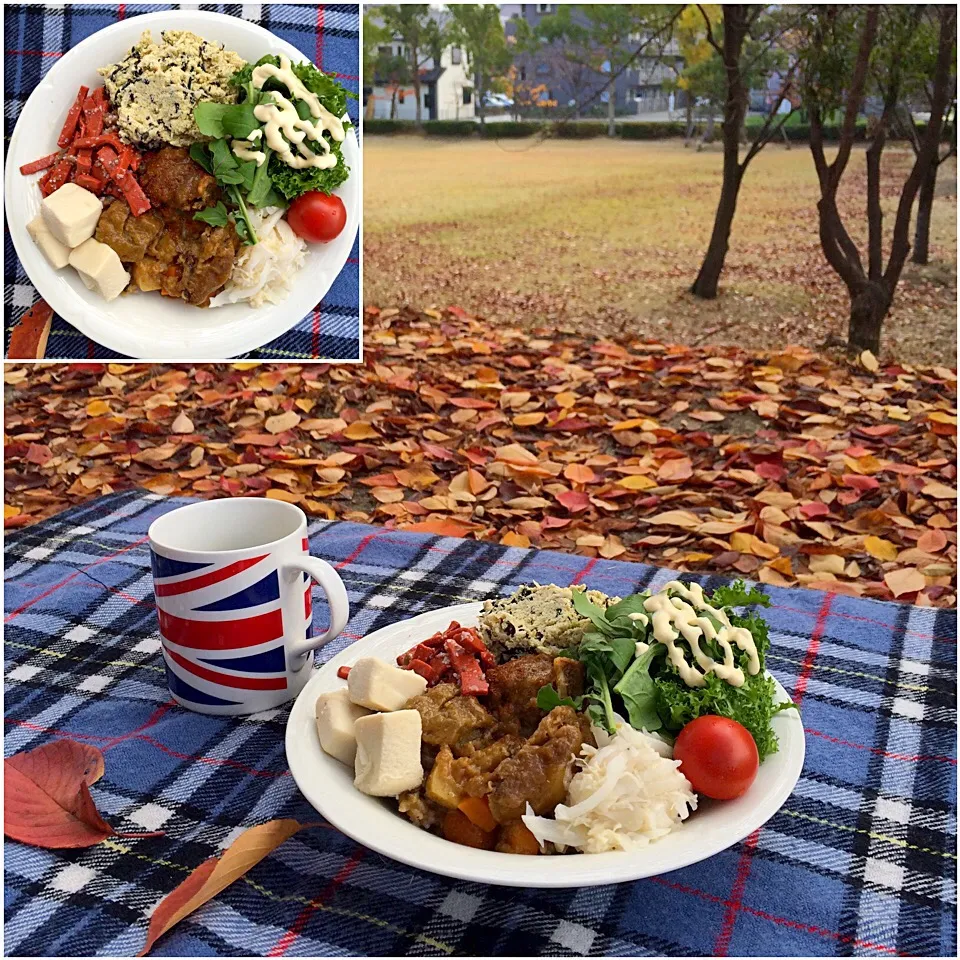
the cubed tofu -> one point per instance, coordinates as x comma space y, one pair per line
388, 753
379, 685
71, 213
57, 254
100, 268
336, 715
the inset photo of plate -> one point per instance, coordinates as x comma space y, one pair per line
182, 185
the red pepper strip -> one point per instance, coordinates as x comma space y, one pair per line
135, 197
102, 139
70, 124
93, 112
343, 673
84, 162
467, 668
89, 183
470, 640
424, 670
135, 161
57, 178
42, 164
440, 665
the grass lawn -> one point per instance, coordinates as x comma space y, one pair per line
608, 235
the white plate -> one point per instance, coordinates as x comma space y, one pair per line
328, 785
141, 325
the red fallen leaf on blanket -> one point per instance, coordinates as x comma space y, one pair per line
859, 482
216, 874
46, 800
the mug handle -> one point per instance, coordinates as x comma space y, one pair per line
337, 601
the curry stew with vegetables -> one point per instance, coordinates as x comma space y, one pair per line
564, 750
189, 158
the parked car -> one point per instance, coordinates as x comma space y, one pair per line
497, 101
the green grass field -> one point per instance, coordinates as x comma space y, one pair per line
607, 236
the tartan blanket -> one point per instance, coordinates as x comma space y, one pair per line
861, 860
327, 34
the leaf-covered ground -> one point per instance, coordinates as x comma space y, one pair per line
786, 467
611, 234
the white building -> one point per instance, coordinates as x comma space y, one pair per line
446, 89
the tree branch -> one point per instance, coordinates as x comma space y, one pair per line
710, 37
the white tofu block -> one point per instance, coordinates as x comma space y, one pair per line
100, 268
57, 254
336, 716
71, 213
379, 685
388, 753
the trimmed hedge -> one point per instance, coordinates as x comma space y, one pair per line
653, 130
504, 129
389, 126
581, 129
578, 129
450, 128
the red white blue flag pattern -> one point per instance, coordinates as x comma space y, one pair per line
222, 627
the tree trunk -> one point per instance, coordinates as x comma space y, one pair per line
612, 111
415, 65
689, 133
708, 279
868, 307
921, 237
734, 111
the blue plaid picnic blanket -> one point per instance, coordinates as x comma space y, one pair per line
327, 34
861, 860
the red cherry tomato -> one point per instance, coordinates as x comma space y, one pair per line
317, 217
718, 756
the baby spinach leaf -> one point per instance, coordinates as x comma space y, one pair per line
548, 698
639, 693
587, 608
623, 608
216, 216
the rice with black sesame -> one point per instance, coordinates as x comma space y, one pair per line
536, 619
155, 87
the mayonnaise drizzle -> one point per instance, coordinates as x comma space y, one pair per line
680, 616
283, 127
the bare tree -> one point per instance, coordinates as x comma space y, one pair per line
873, 35
746, 45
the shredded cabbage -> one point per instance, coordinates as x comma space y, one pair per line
627, 793
262, 273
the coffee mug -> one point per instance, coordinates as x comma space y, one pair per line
232, 582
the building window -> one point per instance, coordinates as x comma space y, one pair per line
385, 51
523, 73
543, 69
467, 95
456, 55
543, 7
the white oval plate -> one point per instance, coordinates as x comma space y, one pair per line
141, 325
328, 785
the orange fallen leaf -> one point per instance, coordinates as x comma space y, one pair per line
98, 408
361, 430
675, 470
578, 473
216, 874
527, 419
511, 539
46, 796
932, 541
442, 527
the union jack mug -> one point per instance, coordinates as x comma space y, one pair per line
232, 581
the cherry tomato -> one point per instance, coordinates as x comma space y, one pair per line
718, 756
317, 217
